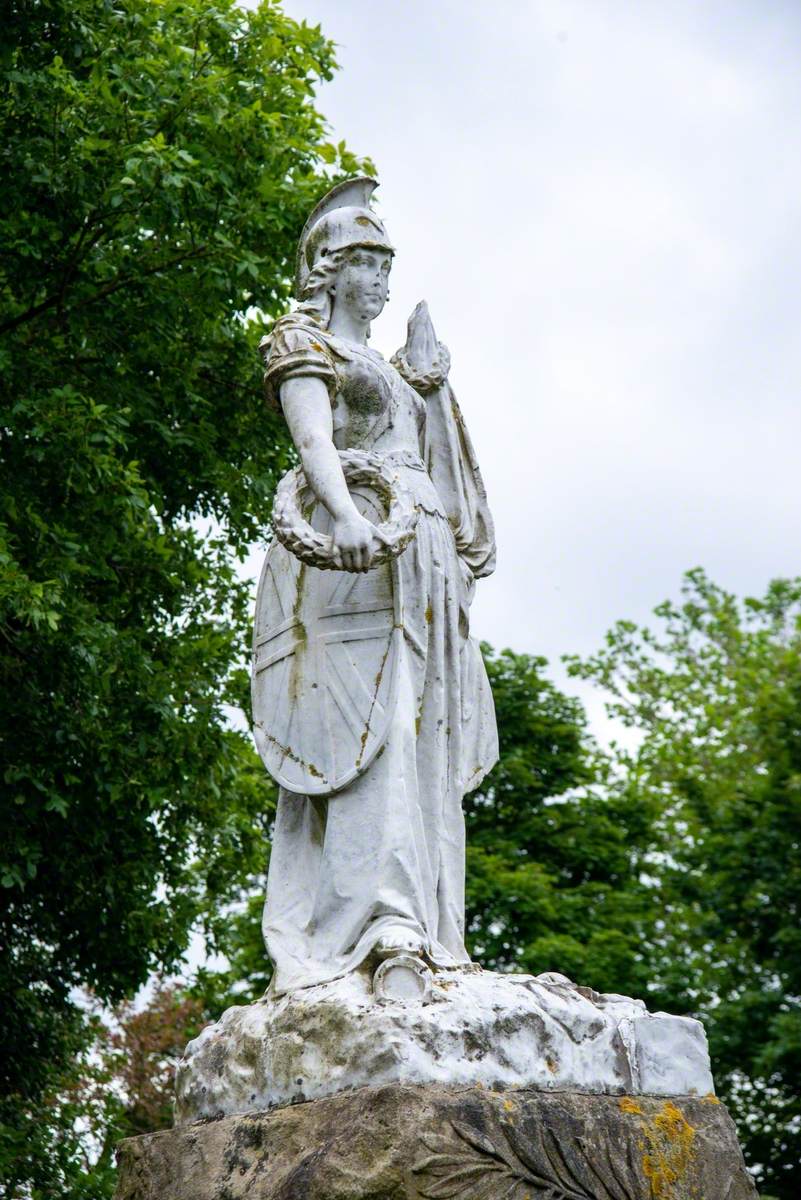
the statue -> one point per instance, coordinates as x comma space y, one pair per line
373, 713
381, 1061
371, 704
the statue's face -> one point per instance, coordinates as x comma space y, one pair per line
363, 282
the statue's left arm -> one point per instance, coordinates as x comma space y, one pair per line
449, 454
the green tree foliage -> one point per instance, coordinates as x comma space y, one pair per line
714, 695
159, 157
138, 1050
553, 861
120, 1084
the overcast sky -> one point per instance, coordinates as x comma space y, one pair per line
601, 203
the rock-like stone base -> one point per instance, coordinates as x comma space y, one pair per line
430, 1143
472, 1027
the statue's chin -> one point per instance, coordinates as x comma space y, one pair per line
371, 309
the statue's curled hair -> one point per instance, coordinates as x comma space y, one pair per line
315, 299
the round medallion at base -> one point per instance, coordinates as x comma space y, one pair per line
403, 977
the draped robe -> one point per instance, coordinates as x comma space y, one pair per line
387, 851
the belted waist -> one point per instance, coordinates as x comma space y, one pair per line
414, 475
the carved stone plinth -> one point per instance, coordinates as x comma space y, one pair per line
430, 1143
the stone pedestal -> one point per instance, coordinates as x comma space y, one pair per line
436, 1143
472, 1027
482, 1086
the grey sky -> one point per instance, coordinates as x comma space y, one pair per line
601, 203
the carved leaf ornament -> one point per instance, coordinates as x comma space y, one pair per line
655, 1157
472, 1167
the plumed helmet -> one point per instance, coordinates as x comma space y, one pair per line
342, 218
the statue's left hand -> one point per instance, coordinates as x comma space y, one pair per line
423, 361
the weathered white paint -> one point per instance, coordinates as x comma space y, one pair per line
475, 1027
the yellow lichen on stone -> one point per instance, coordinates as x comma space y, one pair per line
670, 1139
667, 1147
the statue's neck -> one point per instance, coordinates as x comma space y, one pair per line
349, 326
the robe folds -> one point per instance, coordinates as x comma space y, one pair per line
387, 851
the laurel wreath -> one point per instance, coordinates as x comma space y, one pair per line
421, 380
360, 467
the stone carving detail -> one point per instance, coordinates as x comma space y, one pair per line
424, 363
654, 1159
471, 1167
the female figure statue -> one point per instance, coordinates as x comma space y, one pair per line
372, 707
372, 711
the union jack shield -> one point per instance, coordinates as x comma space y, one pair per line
326, 650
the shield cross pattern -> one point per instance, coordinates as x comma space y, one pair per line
325, 664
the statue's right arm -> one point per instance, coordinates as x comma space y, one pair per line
307, 409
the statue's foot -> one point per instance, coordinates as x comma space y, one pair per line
398, 941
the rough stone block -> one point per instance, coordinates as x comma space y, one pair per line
429, 1143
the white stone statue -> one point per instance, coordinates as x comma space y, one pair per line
373, 713
371, 703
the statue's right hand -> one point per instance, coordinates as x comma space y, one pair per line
353, 542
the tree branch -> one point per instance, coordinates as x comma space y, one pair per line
107, 290
123, 281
